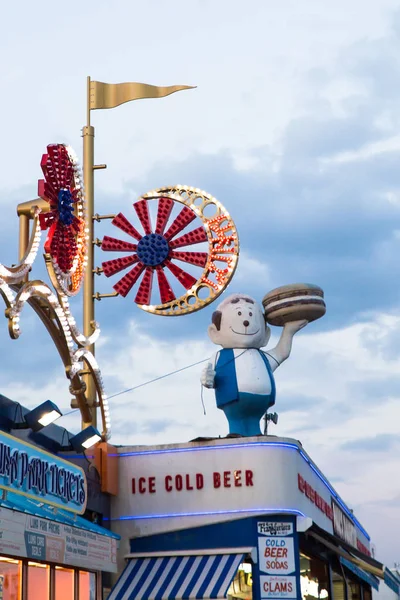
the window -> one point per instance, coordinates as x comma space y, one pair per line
367, 593
38, 581
354, 589
10, 578
314, 578
87, 585
338, 586
242, 585
64, 583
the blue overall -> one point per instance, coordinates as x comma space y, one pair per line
243, 410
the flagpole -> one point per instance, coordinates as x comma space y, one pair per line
88, 286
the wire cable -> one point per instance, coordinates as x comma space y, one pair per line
157, 378
135, 387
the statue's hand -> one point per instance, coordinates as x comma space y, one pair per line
208, 376
294, 326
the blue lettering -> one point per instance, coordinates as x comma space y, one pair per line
5, 463
61, 482
18, 469
82, 492
24, 467
14, 466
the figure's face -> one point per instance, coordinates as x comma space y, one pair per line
242, 325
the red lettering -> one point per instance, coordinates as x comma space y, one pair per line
237, 476
277, 586
227, 477
276, 564
142, 485
363, 548
222, 248
308, 490
152, 485
133, 485
249, 478
168, 482
199, 481
314, 497
217, 480
188, 486
178, 483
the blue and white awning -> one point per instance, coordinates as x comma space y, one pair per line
367, 577
177, 577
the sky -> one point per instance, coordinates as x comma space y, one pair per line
295, 127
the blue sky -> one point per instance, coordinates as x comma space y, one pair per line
294, 127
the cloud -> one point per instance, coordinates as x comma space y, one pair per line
379, 443
292, 402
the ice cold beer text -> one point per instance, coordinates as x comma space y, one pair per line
181, 482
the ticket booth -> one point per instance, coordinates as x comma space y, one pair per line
48, 551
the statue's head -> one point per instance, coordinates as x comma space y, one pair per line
239, 322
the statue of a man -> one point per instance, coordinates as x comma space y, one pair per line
241, 373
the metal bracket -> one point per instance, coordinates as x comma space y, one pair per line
99, 218
99, 297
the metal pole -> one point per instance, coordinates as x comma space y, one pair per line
88, 286
23, 235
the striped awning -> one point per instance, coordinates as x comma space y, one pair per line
177, 577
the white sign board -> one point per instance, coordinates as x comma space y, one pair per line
276, 558
278, 587
276, 555
343, 527
40, 539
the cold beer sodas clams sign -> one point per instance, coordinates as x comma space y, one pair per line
36, 474
277, 559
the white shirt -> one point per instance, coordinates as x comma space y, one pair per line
251, 373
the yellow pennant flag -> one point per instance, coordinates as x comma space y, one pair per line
110, 95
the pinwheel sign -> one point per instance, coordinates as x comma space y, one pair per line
157, 249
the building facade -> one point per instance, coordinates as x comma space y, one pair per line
240, 517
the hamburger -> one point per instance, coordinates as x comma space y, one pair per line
294, 302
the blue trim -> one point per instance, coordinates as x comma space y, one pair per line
392, 581
30, 507
200, 448
290, 511
248, 445
360, 573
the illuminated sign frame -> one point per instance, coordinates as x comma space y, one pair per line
41, 476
